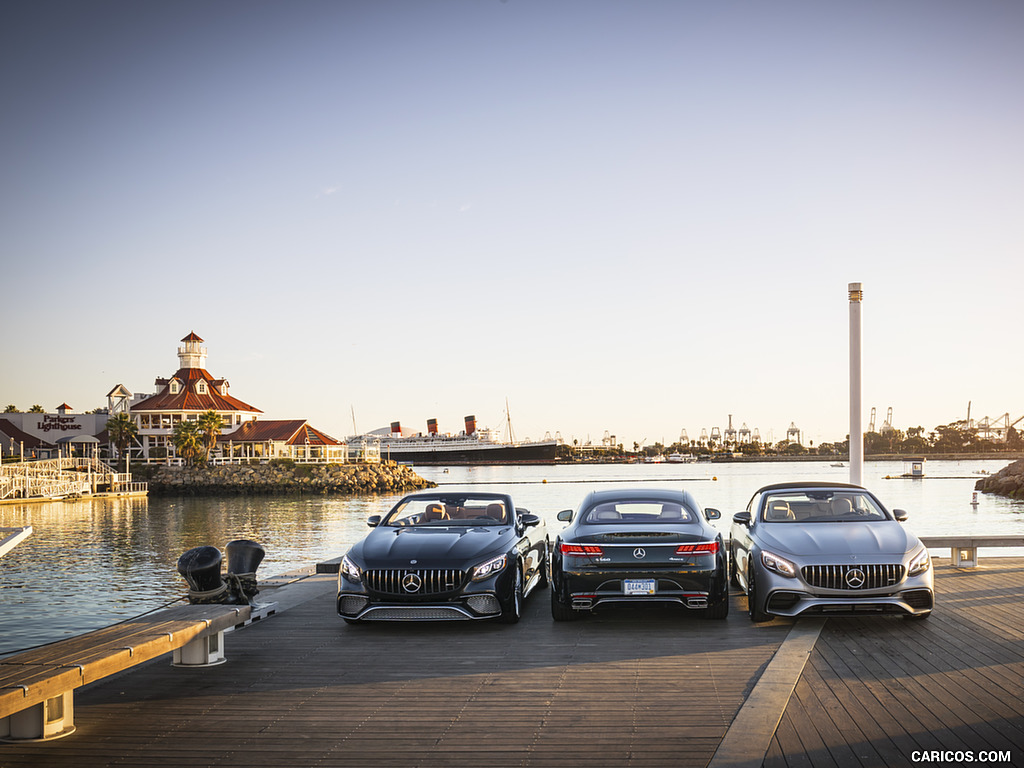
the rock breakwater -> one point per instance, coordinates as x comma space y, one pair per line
281, 476
1009, 481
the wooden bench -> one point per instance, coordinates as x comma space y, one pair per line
964, 549
36, 686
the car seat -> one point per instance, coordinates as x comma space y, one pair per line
778, 511
434, 512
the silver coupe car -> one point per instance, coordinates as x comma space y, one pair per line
827, 548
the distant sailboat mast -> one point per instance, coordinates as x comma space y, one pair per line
508, 419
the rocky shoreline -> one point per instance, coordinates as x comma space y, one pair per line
281, 477
1009, 481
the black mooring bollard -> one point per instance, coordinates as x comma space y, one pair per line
201, 568
244, 557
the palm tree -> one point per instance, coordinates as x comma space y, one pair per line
11, 409
188, 441
37, 409
122, 431
210, 424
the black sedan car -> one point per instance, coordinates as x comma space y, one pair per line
445, 555
638, 546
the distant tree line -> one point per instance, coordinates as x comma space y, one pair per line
945, 439
11, 408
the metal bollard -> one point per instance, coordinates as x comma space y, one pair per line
200, 566
244, 557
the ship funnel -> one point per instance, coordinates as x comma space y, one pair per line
431, 426
470, 425
396, 428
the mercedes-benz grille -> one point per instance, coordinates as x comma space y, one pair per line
854, 576
412, 582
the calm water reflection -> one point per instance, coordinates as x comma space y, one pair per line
91, 563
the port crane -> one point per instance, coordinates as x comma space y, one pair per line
989, 428
887, 424
793, 433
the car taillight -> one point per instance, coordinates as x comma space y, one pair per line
581, 549
704, 548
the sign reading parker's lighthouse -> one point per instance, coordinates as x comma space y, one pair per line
61, 423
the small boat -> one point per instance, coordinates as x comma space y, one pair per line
679, 458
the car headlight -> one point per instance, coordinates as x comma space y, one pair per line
919, 563
350, 570
491, 567
779, 565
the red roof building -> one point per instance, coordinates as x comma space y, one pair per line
292, 439
192, 391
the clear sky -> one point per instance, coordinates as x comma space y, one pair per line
638, 217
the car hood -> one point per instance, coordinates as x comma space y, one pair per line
836, 538
430, 547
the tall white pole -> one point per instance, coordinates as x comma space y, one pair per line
856, 428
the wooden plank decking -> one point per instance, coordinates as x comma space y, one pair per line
624, 689
874, 693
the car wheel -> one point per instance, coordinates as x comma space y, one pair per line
756, 614
719, 611
545, 563
513, 608
560, 611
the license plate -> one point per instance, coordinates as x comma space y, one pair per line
638, 586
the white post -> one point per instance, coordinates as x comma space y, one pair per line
856, 429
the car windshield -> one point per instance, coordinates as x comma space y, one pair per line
633, 511
447, 511
821, 506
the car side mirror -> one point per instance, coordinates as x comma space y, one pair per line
529, 520
565, 515
743, 518
900, 514
373, 521
712, 514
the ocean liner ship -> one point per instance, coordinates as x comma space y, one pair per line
471, 446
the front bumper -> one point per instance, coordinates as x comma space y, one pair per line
912, 596
457, 599
915, 602
360, 607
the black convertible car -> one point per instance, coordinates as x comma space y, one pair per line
445, 555
638, 546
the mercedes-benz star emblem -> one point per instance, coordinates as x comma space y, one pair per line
855, 578
411, 582
639, 553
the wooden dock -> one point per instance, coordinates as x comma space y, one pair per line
631, 688
877, 692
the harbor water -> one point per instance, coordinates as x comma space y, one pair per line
92, 563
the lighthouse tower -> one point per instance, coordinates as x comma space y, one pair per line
192, 355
